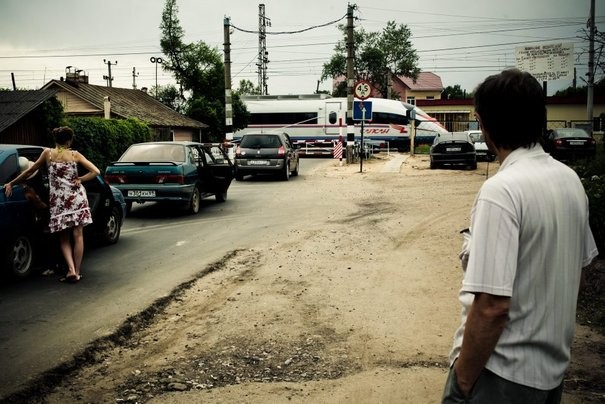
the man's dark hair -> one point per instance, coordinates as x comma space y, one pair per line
63, 134
512, 108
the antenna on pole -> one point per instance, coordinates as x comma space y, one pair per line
157, 61
135, 74
263, 23
109, 77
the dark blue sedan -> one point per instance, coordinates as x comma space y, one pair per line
23, 223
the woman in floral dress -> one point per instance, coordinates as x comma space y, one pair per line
69, 210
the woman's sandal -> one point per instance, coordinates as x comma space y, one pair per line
70, 279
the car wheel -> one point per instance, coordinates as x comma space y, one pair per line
111, 231
285, 175
433, 165
19, 256
221, 196
473, 166
295, 171
194, 203
239, 176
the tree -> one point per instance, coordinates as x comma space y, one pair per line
199, 70
378, 55
170, 96
599, 89
599, 48
453, 93
246, 87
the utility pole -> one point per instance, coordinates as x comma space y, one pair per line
350, 81
228, 96
590, 93
263, 23
134, 76
109, 77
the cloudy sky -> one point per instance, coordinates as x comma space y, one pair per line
462, 41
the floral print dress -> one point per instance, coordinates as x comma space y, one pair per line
67, 197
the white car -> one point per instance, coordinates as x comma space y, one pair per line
483, 152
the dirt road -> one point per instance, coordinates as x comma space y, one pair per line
359, 307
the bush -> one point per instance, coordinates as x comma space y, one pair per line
104, 140
592, 173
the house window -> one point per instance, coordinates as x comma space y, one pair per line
411, 100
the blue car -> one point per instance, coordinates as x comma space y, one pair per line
24, 236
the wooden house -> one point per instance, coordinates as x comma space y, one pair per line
79, 98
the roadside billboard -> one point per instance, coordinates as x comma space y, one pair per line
546, 62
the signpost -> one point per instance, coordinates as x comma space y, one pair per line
362, 90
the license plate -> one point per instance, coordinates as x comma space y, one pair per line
453, 149
576, 142
258, 162
141, 194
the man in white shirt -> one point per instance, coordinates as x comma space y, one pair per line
530, 239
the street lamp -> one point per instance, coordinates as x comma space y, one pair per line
157, 61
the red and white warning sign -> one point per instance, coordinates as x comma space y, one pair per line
338, 150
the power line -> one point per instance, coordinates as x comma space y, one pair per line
290, 32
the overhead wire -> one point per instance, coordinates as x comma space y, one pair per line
289, 32
472, 52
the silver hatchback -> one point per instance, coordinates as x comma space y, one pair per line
266, 153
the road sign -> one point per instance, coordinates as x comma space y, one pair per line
363, 90
362, 110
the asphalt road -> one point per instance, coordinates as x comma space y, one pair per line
44, 322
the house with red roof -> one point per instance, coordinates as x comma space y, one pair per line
427, 86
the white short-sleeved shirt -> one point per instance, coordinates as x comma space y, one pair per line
530, 239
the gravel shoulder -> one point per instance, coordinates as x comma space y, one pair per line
357, 307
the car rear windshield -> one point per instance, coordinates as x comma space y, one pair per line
154, 152
572, 132
260, 141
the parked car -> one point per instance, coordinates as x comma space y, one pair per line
570, 144
453, 148
483, 152
172, 172
24, 227
266, 153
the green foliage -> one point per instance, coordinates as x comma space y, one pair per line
246, 87
454, 93
170, 96
599, 90
592, 173
49, 116
422, 149
104, 140
199, 70
377, 56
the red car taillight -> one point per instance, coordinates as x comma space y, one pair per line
281, 152
170, 179
559, 142
115, 179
